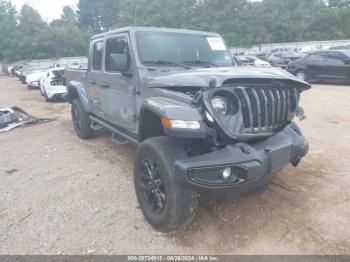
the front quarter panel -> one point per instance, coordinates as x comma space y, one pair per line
166, 107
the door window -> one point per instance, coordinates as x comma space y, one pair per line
115, 46
318, 57
97, 54
336, 57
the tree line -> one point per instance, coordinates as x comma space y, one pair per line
25, 35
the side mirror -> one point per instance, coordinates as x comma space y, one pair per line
118, 62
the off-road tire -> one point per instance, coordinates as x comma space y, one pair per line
181, 202
81, 121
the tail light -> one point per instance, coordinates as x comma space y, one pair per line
56, 83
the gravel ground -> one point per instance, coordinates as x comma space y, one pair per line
76, 197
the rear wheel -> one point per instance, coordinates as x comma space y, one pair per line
81, 121
167, 205
301, 74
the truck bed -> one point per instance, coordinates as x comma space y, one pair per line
73, 74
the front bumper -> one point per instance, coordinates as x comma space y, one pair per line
252, 165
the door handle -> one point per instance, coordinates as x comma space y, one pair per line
93, 82
104, 85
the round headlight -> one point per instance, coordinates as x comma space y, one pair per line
220, 104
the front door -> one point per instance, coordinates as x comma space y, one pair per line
338, 69
316, 66
118, 88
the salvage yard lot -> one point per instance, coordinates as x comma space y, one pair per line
61, 195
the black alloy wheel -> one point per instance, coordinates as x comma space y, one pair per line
153, 187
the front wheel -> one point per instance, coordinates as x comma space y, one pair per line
166, 205
301, 74
81, 121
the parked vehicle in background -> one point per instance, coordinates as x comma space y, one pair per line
326, 66
22, 74
51, 85
282, 59
251, 61
34, 75
283, 50
9, 70
18, 70
263, 56
201, 123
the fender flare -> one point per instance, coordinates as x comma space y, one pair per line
77, 90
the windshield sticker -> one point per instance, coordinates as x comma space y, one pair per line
216, 43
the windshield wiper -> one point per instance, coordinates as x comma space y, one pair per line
165, 62
202, 62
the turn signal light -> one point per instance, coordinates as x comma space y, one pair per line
181, 124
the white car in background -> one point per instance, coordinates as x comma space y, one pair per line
32, 79
51, 85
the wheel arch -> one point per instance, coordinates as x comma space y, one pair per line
77, 90
150, 124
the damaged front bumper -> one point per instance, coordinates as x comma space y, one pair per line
251, 165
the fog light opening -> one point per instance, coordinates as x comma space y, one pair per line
226, 173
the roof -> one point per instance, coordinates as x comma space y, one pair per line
153, 29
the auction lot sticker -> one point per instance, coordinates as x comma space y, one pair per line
216, 43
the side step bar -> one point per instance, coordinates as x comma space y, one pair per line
119, 137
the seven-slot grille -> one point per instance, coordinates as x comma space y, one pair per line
266, 108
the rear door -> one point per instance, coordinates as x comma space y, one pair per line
316, 66
94, 76
118, 88
338, 69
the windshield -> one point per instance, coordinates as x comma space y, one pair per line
177, 49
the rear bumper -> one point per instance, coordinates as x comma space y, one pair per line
33, 84
56, 92
252, 165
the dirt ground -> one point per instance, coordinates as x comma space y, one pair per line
76, 197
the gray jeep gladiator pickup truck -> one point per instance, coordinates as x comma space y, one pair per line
200, 122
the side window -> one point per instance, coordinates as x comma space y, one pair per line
97, 54
115, 46
318, 57
336, 56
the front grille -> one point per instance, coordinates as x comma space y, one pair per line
266, 108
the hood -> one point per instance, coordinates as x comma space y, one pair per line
202, 77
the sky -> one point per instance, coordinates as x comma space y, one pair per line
48, 9
52, 9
